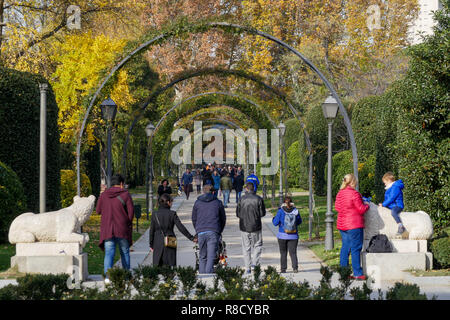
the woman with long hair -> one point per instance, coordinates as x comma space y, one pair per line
162, 224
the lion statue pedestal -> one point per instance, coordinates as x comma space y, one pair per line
409, 250
50, 243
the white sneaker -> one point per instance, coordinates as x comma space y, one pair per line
107, 281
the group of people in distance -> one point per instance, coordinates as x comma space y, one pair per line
223, 179
209, 219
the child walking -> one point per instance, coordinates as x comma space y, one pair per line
393, 198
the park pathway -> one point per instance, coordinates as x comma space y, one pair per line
309, 264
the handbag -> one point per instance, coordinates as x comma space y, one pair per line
169, 241
191, 188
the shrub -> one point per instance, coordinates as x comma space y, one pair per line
12, 199
423, 143
441, 252
19, 120
69, 187
297, 158
343, 164
36, 287
405, 291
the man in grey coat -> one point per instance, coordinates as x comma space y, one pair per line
250, 209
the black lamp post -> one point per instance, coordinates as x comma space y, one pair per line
149, 130
330, 109
282, 129
109, 110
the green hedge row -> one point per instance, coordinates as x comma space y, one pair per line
407, 127
12, 199
20, 120
145, 283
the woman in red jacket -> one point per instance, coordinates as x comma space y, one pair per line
350, 223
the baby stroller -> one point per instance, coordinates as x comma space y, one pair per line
221, 255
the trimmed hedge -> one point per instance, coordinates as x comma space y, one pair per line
441, 251
343, 164
20, 121
69, 187
298, 165
12, 199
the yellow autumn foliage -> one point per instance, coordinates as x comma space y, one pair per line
81, 58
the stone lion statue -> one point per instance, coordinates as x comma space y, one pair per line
56, 226
378, 220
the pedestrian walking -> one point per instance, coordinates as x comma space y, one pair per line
198, 181
164, 188
287, 219
253, 179
115, 206
208, 218
250, 209
226, 186
216, 182
238, 185
162, 226
186, 182
350, 223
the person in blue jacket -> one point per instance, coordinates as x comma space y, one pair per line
393, 198
253, 179
287, 219
216, 182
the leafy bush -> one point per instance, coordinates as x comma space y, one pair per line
69, 187
36, 287
441, 252
343, 164
12, 199
423, 143
405, 291
19, 119
297, 158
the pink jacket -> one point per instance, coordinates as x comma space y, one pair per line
350, 208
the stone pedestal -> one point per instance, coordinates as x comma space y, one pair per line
51, 258
406, 255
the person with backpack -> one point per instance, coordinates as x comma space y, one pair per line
350, 223
250, 209
288, 219
115, 206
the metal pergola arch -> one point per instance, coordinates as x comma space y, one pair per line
224, 26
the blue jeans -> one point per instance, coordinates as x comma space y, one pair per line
352, 241
110, 252
208, 243
395, 211
238, 196
226, 197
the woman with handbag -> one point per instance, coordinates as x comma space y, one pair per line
163, 241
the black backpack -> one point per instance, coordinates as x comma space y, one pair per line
379, 244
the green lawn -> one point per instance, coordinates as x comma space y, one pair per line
6, 252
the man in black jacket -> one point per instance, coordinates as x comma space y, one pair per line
250, 210
208, 218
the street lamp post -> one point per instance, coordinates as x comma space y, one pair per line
149, 130
330, 109
109, 110
282, 129
43, 147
